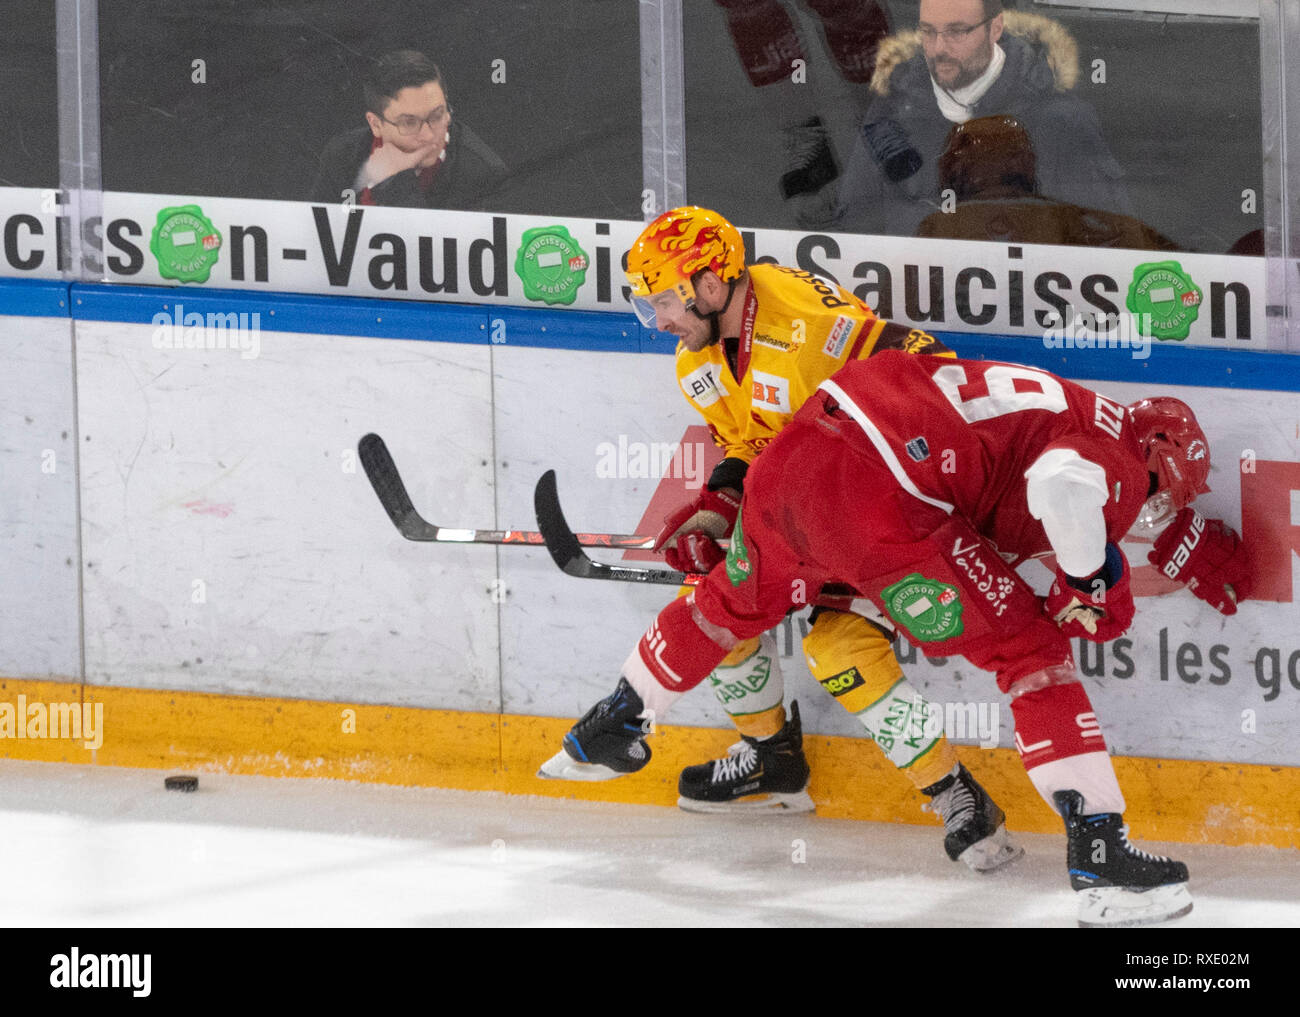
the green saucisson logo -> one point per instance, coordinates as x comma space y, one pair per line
928, 609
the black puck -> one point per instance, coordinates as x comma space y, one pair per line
181, 783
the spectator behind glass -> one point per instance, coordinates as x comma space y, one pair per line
412, 152
768, 43
990, 166
970, 59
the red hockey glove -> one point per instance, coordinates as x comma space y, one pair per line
691, 533
1100, 607
694, 552
1208, 556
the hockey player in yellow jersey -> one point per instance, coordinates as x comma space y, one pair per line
753, 344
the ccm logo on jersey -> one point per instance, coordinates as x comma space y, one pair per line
771, 390
702, 386
1174, 566
839, 336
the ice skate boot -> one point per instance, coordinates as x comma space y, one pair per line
1117, 884
810, 166
768, 775
608, 742
974, 827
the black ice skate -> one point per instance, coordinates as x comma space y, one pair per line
974, 827
608, 742
1118, 884
756, 776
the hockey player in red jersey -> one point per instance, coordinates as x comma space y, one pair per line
754, 342
922, 481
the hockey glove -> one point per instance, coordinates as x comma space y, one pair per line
1098, 607
1208, 556
689, 538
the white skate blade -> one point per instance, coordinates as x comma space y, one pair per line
1112, 907
993, 852
563, 766
789, 803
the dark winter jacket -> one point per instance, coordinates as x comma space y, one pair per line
892, 182
467, 180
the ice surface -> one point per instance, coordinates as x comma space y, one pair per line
103, 846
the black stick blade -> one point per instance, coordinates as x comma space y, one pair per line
387, 482
565, 550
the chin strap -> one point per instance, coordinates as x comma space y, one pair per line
715, 333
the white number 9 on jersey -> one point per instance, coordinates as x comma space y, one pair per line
998, 394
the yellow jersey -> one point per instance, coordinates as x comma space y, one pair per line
797, 330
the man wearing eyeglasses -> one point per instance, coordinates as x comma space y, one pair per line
969, 59
412, 152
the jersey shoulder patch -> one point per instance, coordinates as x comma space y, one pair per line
910, 340
837, 339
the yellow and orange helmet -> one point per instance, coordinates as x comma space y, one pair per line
671, 250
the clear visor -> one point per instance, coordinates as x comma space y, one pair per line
660, 309
1157, 512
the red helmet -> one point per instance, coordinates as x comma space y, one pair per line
1174, 447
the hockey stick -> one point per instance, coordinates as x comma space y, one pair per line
566, 549
567, 553
387, 482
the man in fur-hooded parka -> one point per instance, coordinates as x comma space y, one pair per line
960, 64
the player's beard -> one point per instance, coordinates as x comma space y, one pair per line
703, 334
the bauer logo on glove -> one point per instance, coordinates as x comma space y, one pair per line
1206, 555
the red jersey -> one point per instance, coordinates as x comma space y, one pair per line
962, 434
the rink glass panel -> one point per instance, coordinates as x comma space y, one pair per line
1180, 107
1177, 100
551, 89
28, 96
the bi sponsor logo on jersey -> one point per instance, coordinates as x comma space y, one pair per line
771, 391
